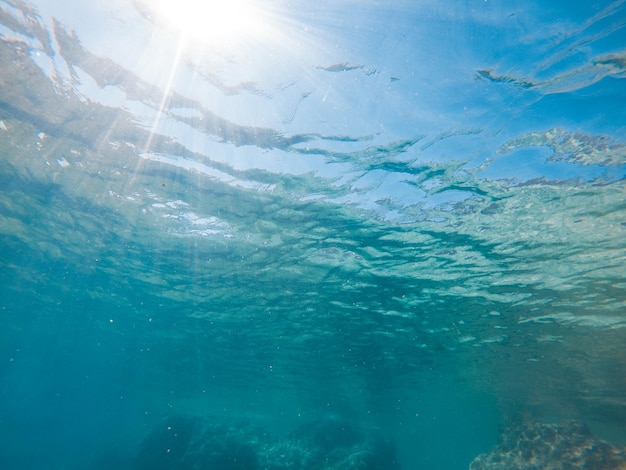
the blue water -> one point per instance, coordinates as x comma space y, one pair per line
355, 236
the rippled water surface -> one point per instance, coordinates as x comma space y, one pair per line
401, 222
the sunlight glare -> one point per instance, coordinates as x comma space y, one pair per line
213, 22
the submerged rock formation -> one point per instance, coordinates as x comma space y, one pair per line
183, 442
551, 446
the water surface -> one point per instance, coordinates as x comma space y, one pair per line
399, 218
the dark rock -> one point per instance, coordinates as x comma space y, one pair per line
551, 446
194, 443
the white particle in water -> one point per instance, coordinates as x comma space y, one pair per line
63, 163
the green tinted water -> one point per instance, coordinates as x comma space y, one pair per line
131, 291
458, 270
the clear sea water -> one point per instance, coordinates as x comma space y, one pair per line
404, 217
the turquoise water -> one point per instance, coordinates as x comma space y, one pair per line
359, 236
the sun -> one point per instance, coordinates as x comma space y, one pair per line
211, 22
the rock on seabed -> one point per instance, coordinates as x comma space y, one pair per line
540, 446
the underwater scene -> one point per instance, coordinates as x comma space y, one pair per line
331, 235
